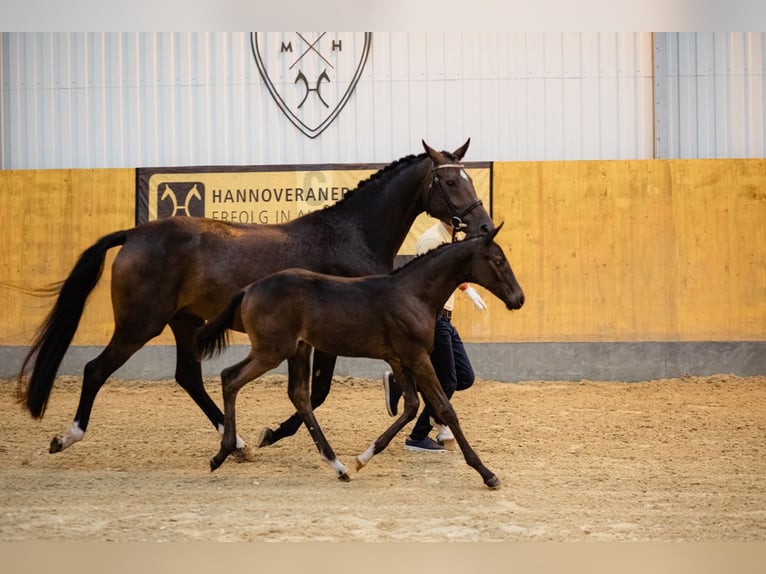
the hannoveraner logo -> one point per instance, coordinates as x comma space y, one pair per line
181, 198
311, 75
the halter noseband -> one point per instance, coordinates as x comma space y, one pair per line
456, 219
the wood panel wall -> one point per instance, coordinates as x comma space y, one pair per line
630, 251
605, 250
49, 217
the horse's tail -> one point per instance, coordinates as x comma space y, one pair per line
213, 337
58, 329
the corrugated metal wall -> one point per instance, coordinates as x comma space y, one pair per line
166, 99
126, 99
710, 93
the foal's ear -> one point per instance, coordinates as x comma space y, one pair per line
460, 152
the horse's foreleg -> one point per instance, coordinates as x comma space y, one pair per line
409, 412
321, 380
297, 390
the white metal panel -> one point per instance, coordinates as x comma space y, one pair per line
714, 93
144, 99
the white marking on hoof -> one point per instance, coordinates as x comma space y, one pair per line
338, 467
240, 443
365, 457
72, 435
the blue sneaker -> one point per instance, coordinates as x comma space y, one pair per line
424, 445
392, 392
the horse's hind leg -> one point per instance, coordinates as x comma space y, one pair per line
189, 376
321, 380
297, 390
95, 374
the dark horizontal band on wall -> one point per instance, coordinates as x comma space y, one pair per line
508, 362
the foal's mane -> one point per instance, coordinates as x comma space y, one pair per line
430, 253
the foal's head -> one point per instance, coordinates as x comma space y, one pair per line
491, 270
451, 195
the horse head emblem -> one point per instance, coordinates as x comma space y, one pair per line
311, 75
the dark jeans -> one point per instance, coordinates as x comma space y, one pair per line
453, 369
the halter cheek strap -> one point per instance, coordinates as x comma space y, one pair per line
456, 219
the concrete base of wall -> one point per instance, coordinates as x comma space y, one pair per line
507, 362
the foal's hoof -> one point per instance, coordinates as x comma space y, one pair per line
215, 463
493, 482
344, 477
244, 454
266, 437
57, 445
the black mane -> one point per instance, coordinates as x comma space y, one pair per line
371, 180
430, 253
382, 172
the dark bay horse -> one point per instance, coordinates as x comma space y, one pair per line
390, 317
182, 271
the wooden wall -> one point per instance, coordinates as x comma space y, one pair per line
630, 251
605, 250
49, 217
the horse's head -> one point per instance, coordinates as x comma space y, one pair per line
491, 270
451, 196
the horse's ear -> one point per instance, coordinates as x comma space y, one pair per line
432, 153
460, 152
491, 235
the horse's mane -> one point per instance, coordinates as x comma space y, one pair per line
382, 172
385, 171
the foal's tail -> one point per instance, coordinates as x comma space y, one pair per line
55, 334
213, 337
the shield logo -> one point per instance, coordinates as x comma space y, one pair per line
311, 75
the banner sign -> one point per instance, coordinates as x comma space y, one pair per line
266, 194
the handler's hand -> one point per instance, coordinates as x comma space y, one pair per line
476, 298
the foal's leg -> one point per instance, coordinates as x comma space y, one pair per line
405, 382
189, 376
298, 391
232, 380
429, 387
321, 380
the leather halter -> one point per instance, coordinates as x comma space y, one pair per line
456, 219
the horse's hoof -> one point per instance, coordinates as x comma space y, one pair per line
57, 445
359, 464
244, 454
493, 482
344, 477
214, 464
265, 438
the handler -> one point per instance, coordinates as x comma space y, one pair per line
449, 358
